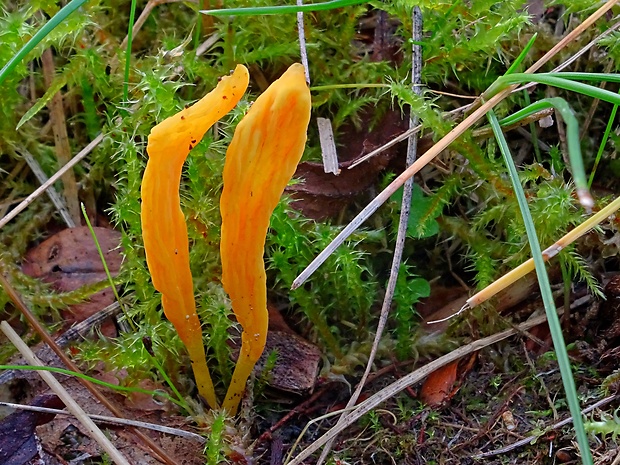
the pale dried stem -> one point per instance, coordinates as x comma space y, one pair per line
34, 323
383, 196
54, 196
441, 145
301, 31
113, 421
456, 132
530, 439
76, 331
551, 251
32, 197
403, 222
410, 379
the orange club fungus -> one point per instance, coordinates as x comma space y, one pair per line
163, 225
261, 159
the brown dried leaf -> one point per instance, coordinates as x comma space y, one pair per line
321, 195
69, 260
439, 385
442, 384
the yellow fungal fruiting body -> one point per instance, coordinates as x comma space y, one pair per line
163, 224
261, 159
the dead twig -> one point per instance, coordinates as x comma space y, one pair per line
56, 198
416, 376
555, 426
439, 147
76, 331
412, 151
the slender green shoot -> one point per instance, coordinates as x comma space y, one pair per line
149, 349
63, 371
566, 81
39, 36
132, 17
603, 143
547, 296
105, 267
284, 9
572, 134
522, 55
534, 134
511, 70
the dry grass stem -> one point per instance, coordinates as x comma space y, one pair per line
439, 147
555, 426
410, 379
32, 197
549, 252
403, 221
34, 323
56, 199
114, 421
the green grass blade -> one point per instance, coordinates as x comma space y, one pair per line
562, 81
533, 131
547, 296
59, 83
522, 55
116, 387
105, 266
595, 77
132, 17
566, 81
284, 9
39, 36
572, 140
603, 143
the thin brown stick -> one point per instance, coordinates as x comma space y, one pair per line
61, 139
